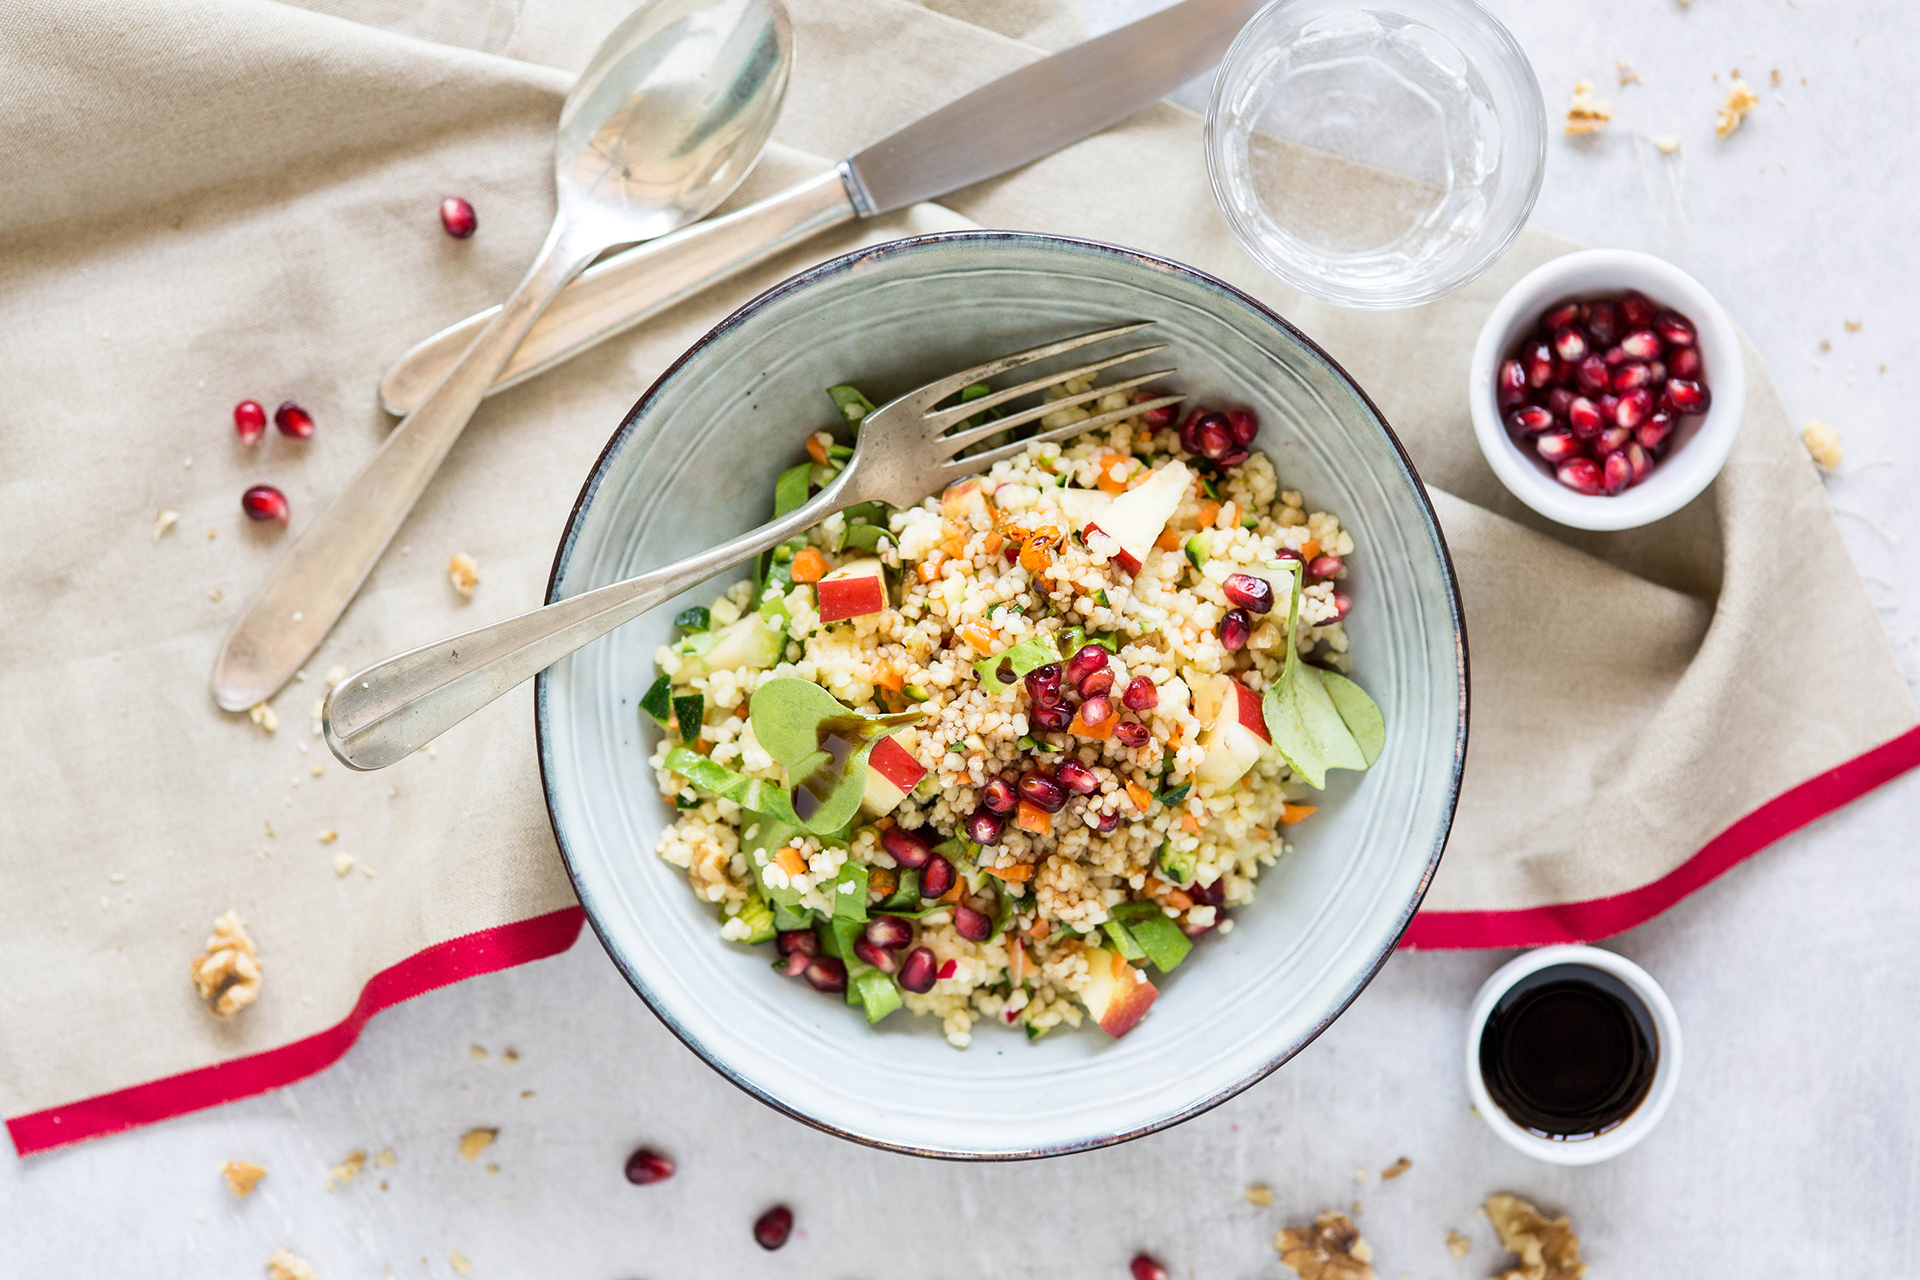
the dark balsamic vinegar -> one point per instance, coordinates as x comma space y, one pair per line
1569, 1052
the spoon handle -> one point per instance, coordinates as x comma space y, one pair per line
310, 587
381, 715
614, 295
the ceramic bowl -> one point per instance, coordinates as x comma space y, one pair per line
1700, 443
694, 463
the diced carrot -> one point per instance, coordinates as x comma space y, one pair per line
882, 881
1190, 824
809, 565
1154, 886
817, 447
1209, 512
954, 542
1176, 899
980, 637
929, 569
1041, 928
1035, 556
1292, 813
790, 861
994, 542
1168, 540
1310, 548
888, 675
1099, 732
1018, 873
1140, 796
952, 895
1031, 817
1113, 469
883, 825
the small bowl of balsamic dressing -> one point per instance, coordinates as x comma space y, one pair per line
1573, 1054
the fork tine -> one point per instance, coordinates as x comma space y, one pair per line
978, 462
973, 435
935, 392
941, 419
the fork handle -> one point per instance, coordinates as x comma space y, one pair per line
378, 716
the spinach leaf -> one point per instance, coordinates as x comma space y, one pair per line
765, 835
787, 715
853, 406
786, 918
790, 490
1310, 730
1359, 711
864, 537
755, 794
906, 896
848, 893
999, 671
877, 992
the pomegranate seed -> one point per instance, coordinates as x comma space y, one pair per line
1565, 314
1557, 445
1636, 312
1086, 660
890, 932
1529, 419
936, 877
1583, 415
948, 969
797, 942
998, 797
1235, 630
1108, 819
874, 956
1674, 329
1039, 789
1288, 553
1569, 344
1580, 474
1324, 567
1634, 407
794, 965
824, 973
1133, 735
1097, 683
1638, 460
647, 1165
771, 1229
1235, 458
1095, 712
1616, 473
1212, 895
250, 421
1077, 777
1684, 395
1145, 1268
1511, 384
1611, 440
916, 971
1684, 363
1342, 606
1215, 436
1189, 440
1243, 425
1043, 684
1051, 719
1564, 374
1614, 355
1142, 694
1654, 431
1592, 375
1010, 553
1558, 401
1609, 405
293, 421
1155, 419
972, 925
1255, 595
1538, 359
1658, 370
1603, 324
907, 848
1631, 376
1641, 344
264, 502
1193, 930
456, 215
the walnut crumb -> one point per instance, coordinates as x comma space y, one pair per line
262, 714
474, 1141
285, 1264
1853, 326
242, 1176
1548, 1250
347, 1170
317, 768
1627, 74
1395, 1169
328, 836
1330, 1249
1740, 100
227, 973
476, 1053
1775, 73
342, 863
1823, 442
216, 595
463, 573
386, 1159
508, 1057
1260, 1194
1458, 1245
162, 522
459, 1263
1586, 113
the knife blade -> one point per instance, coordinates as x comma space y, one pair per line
1018, 118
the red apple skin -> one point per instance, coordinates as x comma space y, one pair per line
1115, 994
893, 762
1251, 714
852, 591
1120, 555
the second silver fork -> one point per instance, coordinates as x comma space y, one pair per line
906, 450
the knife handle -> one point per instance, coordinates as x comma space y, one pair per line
625, 289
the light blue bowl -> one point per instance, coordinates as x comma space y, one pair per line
694, 463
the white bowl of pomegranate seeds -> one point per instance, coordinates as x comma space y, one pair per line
1607, 388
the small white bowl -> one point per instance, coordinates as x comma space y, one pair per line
1666, 1074
1700, 443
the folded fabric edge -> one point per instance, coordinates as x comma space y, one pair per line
1598, 918
445, 963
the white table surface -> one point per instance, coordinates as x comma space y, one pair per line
1792, 1149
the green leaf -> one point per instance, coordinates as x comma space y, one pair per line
1035, 651
1361, 713
1002, 912
849, 892
1309, 729
1123, 941
786, 713
657, 701
764, 836
686, 800
1174, 795
757, 914
864, 537
755, 794
853, 406
698, 618
689, 709
837, 936
1073, 639
790, 490
906, 896
974, 392
789, 718
786, 918
878, 992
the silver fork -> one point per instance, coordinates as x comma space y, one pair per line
906, 450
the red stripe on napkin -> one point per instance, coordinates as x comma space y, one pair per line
1604, 917
485, 951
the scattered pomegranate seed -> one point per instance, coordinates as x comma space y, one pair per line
1342, 606
1654, 431
1043, 684
998, 796
1569, 343
1684, 363
1215, 436
1603, 324
1243, 425
1559, 401
875, 956
1638, 460
264, 502
1611, 439
1580, 474
1042, 790
916, 971
456, 215
800, 942
1077, 777
1145, 1268
1608, 406
1561, 316
1592, 375
1511, 384
908, 848
771, 1229
983, 826
1635, 406
1132, 734
972, 925
936, 877
825, 973
1683, 395
647, 1166
1613, 355
293, 421
1538, 359
1583, 415
1615, 474
1657, 372
1324, 567
1635, 311
794, 965
1141, 694
1555, 446
1251, 593
1641, 344
1236, 628
1288, 553
1095, 712
890, 932
1674, 329
1051, 719
250, 421
1097, 683
1086, 660
1630, 376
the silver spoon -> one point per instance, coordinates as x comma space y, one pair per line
665, 121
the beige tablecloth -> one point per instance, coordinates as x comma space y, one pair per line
208, 200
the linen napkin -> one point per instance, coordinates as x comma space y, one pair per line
204, 201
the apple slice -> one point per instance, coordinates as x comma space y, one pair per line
1116, 994
1235, 734
891, 773
1082, 505
964, 499
856, 588
1128, 529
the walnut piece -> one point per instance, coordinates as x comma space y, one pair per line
1667, 143
1627, 74
1586, 113
1548, 1250
1740, 100
163, 521
1457, 1244
342, 863
227, 973
474, 1141
288, 1265
463, 573
386, 1159
1395, 1169
1260, 1194
347, 1170
1330, 1249
1823, 442
263, 715
242, 1176
459, 1263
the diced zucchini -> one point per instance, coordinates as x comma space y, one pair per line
698, 618
754, 794
657, 701
750, 642
1174, 795
853, 406
1164, 945
689, 709
757, 915
1176, 867
1123, 941
1198, 547
1073, 639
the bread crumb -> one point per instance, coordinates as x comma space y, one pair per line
347, 1170
1458, 1245
1330, 1249
1395, 1169
163, 521
227, 973
1823, 442
335, 674
285, 1264
459, 1263
212, 534
1853, 326
216, 595
493, 1168
1740, 100
508, 1058
474, 1141
317, 768
463, 573
1667, 142
328, 836
1260, 1194
262, 714
1586, 113
342, 863
1627, 74
1362, 1174
1548, 1250
477, 1053
386, 1159
242, 1176
1775, 73
526, 1093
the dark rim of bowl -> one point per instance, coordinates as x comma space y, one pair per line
891, 248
